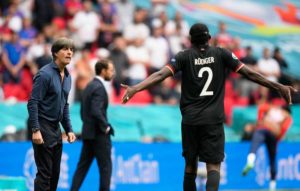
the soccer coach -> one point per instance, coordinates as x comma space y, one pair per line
47, 107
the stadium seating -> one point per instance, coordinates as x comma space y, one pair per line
133, 123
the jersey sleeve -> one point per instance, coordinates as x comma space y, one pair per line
231, 61
176, 63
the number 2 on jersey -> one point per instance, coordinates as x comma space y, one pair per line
204, 91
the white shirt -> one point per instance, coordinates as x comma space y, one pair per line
137, 70
159, 50
270, 67
107, 85
136, 30
87, 25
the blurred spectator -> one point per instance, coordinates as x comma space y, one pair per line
38, 54
13, 18
1, 88
85, 26
13, 59
163, 17
236, 48
71, 8
25, 7
139, 58
284, 79
99, 3
125, 10
272, 124
158, 47
84, 73
177, 33
223, 38
28, 33
4, 4
121, 62
244, 86
259, 96
268, 66
43, 13
108, 25
138, 28
176, 41
48, 33
165, 93
147, 19
157, 7
2, 20
249, 59
178, 22
58, 25
278, 57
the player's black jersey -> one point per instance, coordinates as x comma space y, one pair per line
203, 83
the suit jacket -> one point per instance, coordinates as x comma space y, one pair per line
94, 110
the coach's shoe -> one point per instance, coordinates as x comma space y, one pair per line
247, 168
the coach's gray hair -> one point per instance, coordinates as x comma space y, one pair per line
62, 43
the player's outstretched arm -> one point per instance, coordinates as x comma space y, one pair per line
284, 91
153, 79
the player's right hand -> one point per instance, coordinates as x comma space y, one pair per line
286, 92
129, 93
37, 138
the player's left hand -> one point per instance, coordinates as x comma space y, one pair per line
71, 137
129, 93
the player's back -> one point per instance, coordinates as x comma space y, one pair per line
203, 78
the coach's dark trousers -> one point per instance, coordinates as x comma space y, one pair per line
48, 156
47, 160
100, 148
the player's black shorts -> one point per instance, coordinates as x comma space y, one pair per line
205, 142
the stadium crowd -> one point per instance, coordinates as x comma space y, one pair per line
138, 40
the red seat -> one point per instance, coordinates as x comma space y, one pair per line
228, 108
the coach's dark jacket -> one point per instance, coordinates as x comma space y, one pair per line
96, 144
94, 110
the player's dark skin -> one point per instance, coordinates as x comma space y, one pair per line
157, 77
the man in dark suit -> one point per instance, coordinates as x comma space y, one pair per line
96, 130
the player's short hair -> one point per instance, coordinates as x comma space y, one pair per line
101, 64
199, 34
60, 44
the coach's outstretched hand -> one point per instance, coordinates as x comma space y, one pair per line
286, 92
129, 93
